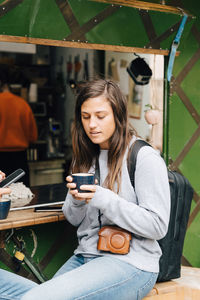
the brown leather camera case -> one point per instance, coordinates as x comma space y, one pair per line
114, 239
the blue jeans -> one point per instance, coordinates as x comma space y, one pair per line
95, 278
12, 286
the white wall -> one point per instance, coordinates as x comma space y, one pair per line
139, 124
17, 47
156, 64
65, 53
156, 98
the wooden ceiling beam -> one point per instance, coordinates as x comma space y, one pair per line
58, 43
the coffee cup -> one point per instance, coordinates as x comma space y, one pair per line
4, 208
83, 178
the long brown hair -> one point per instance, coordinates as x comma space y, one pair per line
84, 151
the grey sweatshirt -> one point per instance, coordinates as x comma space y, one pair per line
146, 215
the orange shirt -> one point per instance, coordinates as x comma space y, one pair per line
17, 123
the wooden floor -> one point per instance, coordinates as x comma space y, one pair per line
187, 287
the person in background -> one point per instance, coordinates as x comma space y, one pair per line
12, 286
102, 139
18, 129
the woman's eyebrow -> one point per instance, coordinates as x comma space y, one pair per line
96, 112
84, 112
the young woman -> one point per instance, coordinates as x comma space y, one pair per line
102, 137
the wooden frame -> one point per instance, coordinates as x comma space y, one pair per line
49, 42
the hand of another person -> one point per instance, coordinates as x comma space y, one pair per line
2, 176
4, 191
81, 196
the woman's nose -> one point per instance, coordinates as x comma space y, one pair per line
92, 123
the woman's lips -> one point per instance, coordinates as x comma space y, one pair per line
95, 134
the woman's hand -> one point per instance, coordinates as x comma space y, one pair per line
81, 196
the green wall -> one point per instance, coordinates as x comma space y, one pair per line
184, 120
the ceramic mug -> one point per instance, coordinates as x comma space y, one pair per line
4, 208
83, 178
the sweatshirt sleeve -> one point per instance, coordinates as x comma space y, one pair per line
74, 210
148, 217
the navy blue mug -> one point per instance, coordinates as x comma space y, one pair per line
4, 208
83, 178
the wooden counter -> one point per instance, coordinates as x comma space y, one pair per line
27, 217
23, 218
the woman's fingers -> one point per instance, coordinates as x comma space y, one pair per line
89, 190
71, 185
69, 178
84, 196
88, 187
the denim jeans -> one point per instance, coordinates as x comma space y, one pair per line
95, 278
12, 286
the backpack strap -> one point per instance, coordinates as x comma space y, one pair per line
133, 157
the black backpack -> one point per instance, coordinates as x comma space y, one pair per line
181, 198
